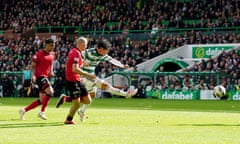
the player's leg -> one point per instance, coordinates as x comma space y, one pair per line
78, 93
81, 111
45, 98
90, 85
74, 92
109, 88
115, 91
62, 99
45, 93
31, 106
75, 106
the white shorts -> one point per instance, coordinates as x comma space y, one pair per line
92, 85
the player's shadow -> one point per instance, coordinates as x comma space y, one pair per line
20, 125
213, 124
9, 120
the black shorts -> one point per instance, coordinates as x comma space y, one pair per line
42, 83
76, 89
27, 83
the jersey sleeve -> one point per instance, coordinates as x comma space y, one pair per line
75, 57
107, 58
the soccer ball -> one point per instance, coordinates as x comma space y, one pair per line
219, 91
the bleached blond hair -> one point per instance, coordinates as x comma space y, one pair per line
82, 39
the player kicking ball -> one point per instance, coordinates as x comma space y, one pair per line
92, 57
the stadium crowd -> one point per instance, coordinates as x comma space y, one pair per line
129, 14
92, 15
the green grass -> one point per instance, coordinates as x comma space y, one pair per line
124, 121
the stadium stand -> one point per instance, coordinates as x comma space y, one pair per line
138, 29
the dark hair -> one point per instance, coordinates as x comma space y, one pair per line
104, 43
48, 41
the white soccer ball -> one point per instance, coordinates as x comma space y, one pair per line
219, 91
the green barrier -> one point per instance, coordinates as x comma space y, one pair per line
154, 74
80, 31
154, 90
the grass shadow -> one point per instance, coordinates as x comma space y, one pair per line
212, 124
21, 125
10, 120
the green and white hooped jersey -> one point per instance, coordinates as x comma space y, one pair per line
93, 59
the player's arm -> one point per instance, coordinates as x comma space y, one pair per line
117, 63
33, 67
51, 73
77, 69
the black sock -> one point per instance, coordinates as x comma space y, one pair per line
69, 118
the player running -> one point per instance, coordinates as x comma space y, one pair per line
42, 71
92, 57
74, 83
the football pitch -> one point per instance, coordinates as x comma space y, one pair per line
124, 121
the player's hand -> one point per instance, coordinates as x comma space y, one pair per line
104, 86
92, 77
34, 78
85, 64
126, 66
51, 74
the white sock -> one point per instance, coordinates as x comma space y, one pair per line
116, 91
110, 89
84, 107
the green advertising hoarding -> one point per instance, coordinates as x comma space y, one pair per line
234, 95
186, 95
208, 51
177, 95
